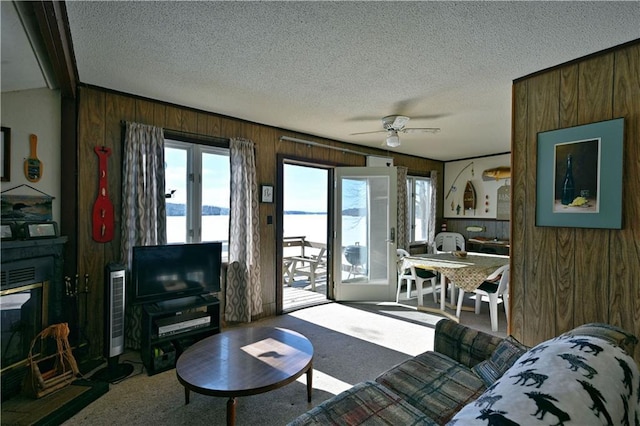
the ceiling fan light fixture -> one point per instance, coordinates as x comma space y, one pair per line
392, 139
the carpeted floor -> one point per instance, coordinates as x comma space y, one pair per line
352, 343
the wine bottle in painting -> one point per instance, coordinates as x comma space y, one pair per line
568, 187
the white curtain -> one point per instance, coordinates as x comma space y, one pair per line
143, 203
243, 293
404, 225
431, 233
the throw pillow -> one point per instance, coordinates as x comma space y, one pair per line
502, 358
614, 335
577, 380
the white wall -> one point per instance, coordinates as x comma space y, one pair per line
486, 191
34, 111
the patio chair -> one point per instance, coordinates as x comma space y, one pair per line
413, 274
496, 286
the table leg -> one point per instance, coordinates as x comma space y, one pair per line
231, 411
453, 293
443, 291
459, 306
309, 382
186, 395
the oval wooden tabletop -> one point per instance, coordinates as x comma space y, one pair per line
244, 361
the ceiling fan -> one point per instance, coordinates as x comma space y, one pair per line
394, 124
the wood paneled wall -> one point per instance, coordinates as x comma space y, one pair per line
564, 277
100, 113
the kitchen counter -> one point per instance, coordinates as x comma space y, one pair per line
486, 245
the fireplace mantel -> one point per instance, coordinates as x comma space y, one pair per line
40, 247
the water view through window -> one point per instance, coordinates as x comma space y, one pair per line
305, 202
198, 179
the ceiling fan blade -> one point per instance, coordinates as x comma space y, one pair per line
429, 116
421, 130
406, 106
367, 133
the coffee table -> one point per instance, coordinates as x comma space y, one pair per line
245, 361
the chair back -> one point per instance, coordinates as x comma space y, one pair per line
448, 241
401, 254
503, 273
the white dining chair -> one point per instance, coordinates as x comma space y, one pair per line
445, 242
448, 241
413, 274
496, 286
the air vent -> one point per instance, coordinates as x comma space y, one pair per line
26, 271
18, 276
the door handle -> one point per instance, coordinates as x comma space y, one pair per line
392, 235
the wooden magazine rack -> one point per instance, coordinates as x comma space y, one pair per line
39, 383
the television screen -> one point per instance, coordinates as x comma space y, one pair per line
175, 270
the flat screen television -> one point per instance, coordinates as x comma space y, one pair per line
172, 271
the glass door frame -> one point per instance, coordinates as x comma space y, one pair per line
377, 284
283, 159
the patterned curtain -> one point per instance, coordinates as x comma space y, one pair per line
243, 294
431, 233
404, 225
143, 204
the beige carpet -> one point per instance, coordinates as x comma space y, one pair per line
352, 343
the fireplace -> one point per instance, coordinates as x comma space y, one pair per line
31, 297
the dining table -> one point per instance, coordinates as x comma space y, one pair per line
466, 273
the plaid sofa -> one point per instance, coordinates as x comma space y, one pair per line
433, 387
425, 390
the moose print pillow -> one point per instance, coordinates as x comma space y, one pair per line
569, 380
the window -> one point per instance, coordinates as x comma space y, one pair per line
197, 181
419, 199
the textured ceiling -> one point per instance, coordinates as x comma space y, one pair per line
335, 68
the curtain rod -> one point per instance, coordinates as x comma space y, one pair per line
311, 143
183, 133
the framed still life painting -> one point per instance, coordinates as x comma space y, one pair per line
579, 176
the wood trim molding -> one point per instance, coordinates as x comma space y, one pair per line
54, 26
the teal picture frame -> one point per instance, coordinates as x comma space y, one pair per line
579, 176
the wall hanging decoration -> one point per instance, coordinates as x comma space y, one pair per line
102, 228
469, 199
453, 187
503, 208
26, 208
579, 176
32, 165
496, 173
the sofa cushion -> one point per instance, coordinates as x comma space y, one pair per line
507, 352
464, 344
579, 380
434, 384
365, 403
